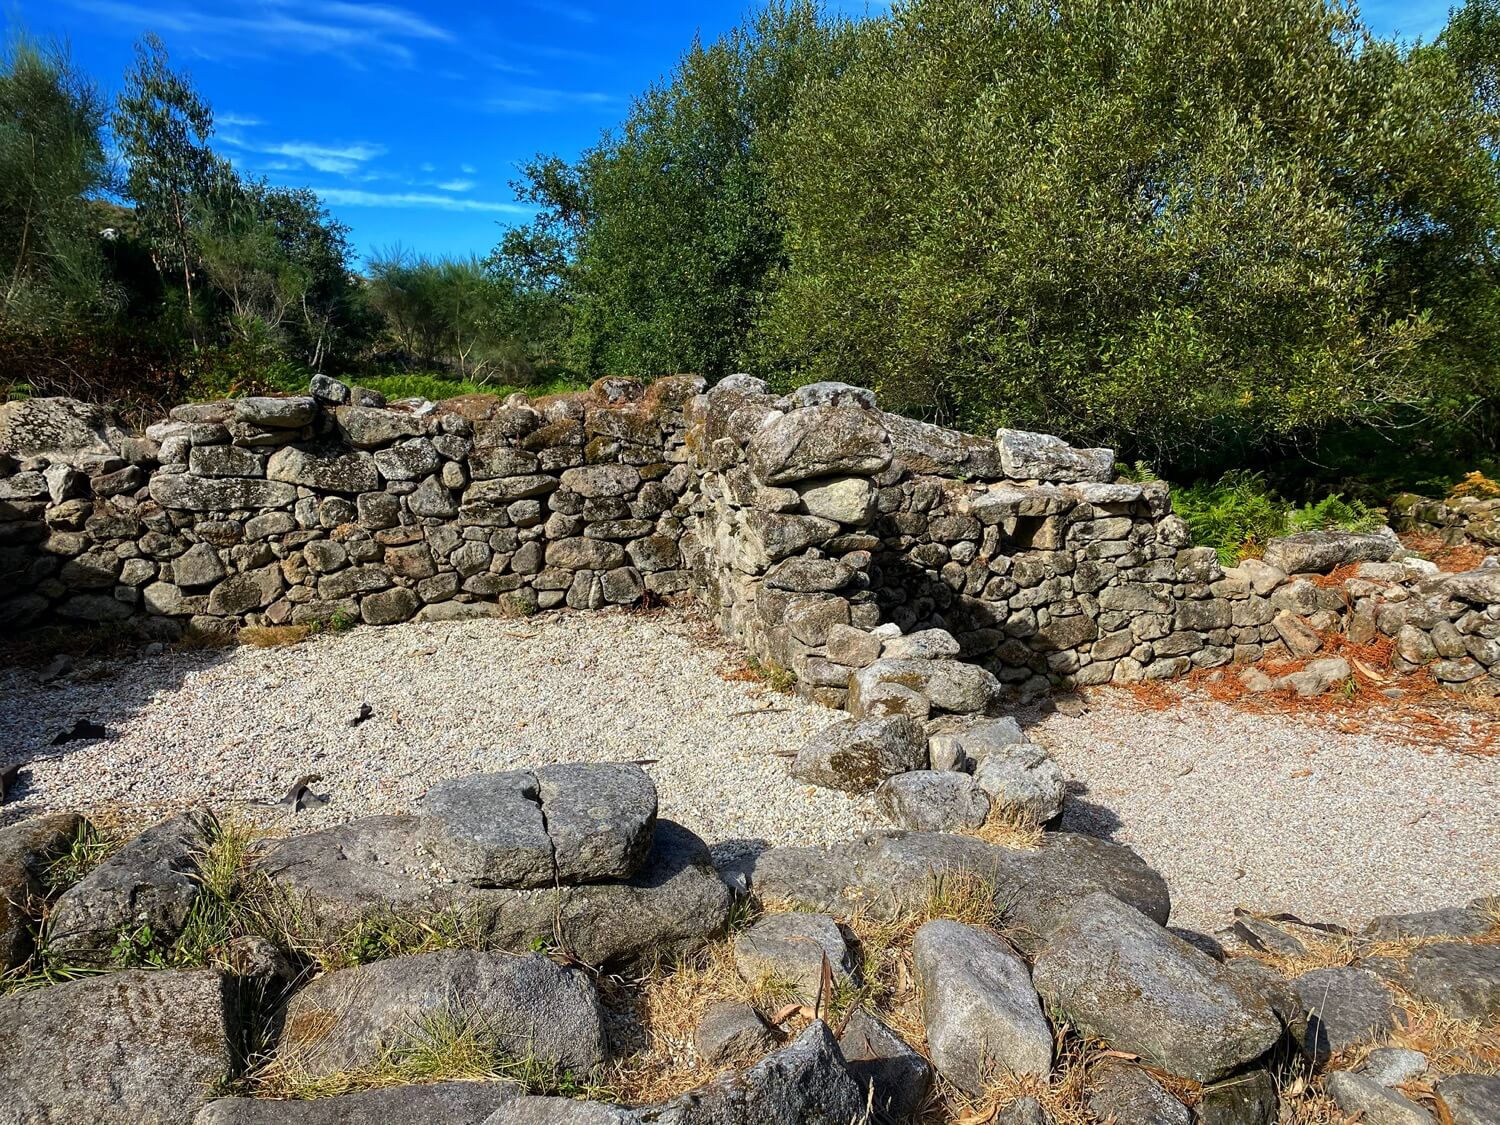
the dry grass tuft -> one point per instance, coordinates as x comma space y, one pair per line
667, 1005
275, 636
1062, 1095
1322, 952
1010, 828
1452, 1045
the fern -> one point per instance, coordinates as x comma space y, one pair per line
1237, 514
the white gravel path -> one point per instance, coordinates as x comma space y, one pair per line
1219, 801
1277, 813
464, 697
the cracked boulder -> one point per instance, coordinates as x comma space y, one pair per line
571, 823
529, 1006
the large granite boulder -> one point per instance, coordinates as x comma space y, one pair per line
1463, 978
887, 873
933, 801
949, 685
59, 429
150, 882
856, 755
27, 850
982, 1015
1121, 977
673, 905
451, 1103
119, 1049
531, 1007
819, 441
1031, 456
1308, 551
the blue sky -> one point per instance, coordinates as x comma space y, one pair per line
412, 119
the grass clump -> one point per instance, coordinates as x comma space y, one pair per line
89, 848
275, 636
773, 675
440, 1047
1237, 514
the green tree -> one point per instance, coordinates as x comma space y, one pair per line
52, 164
1187, 226
163, 127
661, 235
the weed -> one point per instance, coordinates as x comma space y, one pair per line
342, 621
1475, 485
89, 848
1010, 828
773, 675
275, 636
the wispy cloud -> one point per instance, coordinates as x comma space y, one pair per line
573, 13
352, 197
357, 33
545, 99
454, 185
237, 120
467, 169
343, 159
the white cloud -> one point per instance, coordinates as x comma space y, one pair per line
356, 33
350, 197
467, 169
237, 120
340, 159
543, 99
454, 185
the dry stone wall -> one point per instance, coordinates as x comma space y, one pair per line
830, 537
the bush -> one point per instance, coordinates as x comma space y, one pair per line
1240, 512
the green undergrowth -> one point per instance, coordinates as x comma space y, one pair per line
1237, 514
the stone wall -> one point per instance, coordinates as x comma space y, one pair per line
825, 533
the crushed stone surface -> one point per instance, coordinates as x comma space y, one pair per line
1273, 812
1279, 812
237, 727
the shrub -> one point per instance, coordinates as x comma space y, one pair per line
1239, 512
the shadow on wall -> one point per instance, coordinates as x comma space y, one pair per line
107, 692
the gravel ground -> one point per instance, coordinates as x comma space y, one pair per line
1279, 813
1272, 812
447, 699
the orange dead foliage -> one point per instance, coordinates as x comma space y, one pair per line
1423, 715
1452, 560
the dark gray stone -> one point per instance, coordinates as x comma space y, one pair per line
673, 905
1344, 1007
488, 830
1460, 977
1371, 1102
887, 873
933, 801
789, 950
600, 816
27, 850
804, 1083
897, 1079
278, 413
803, 575
982, 1015
1124, 1093
856, 755
731, 1032
1470, 1099
389, 607
1243, 1099
1118, 976
532, 1007
205, 494
448, 1103
117, 1049
150, 882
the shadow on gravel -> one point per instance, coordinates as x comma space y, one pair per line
50, 714
1086, 817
